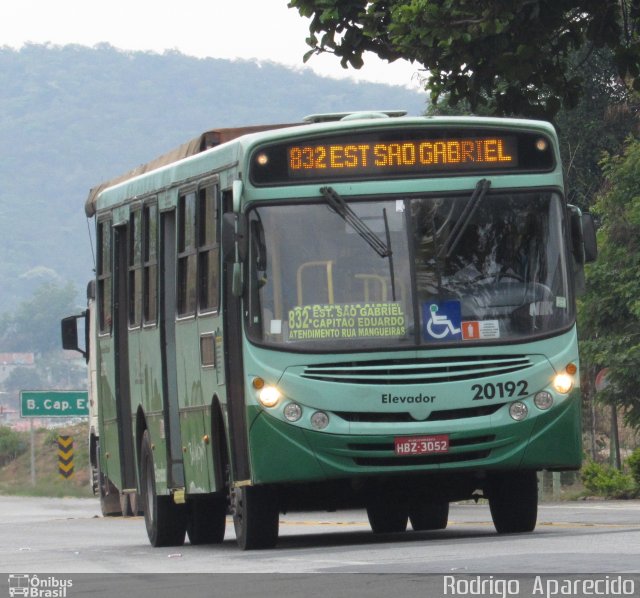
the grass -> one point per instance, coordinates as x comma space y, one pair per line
15, 476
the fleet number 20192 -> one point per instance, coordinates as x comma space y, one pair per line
500, 390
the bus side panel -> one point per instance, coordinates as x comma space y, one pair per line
191, 400
109, 439
149, 381
135, 394
213, 389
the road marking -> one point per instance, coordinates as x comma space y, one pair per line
558, 524
320, 523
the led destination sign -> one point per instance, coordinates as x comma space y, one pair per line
408, 155
401, 153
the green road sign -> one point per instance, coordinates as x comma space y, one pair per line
54, 403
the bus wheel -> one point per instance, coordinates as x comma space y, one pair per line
513, 501
387, 516
166, 521
206, 519
429, 515
255, 517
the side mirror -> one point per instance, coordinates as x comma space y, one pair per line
69, 331
234, 236
234, 247
589, 238
577, 241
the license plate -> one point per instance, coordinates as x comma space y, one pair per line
421, 445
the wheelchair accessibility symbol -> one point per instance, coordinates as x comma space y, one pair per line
442, 320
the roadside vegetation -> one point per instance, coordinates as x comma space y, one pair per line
606, 481
15, 463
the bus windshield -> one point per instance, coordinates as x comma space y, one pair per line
464, 268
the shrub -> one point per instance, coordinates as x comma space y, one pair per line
12, 445
603, 480
633, 463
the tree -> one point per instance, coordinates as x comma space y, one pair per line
601, 121
610, 310
35, 325
25, 378
514, 55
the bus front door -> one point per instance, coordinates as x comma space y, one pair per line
121, 361
175, 467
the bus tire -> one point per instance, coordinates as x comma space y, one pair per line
206, 519
425, 516
166, 522
255, 517
513, 501
387, 516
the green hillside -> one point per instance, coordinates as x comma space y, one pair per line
71, 117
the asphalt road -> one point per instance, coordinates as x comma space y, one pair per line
54, 538
69, 535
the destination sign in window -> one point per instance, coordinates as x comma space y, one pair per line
346, 321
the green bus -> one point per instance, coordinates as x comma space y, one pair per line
363, 310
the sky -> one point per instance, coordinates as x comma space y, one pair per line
247, 29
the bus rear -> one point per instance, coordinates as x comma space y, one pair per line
405, 288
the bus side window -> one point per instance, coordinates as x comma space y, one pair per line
208, 249
187, 253
150, 258
104, 275
135, 268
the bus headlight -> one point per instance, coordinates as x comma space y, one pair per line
518, 411
543, 400
269, 396
292, 412
319, 420
563, 383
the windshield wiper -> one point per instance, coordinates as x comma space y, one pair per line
343, 210
461, 225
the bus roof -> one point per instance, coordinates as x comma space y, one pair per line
317, 122
203, 142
